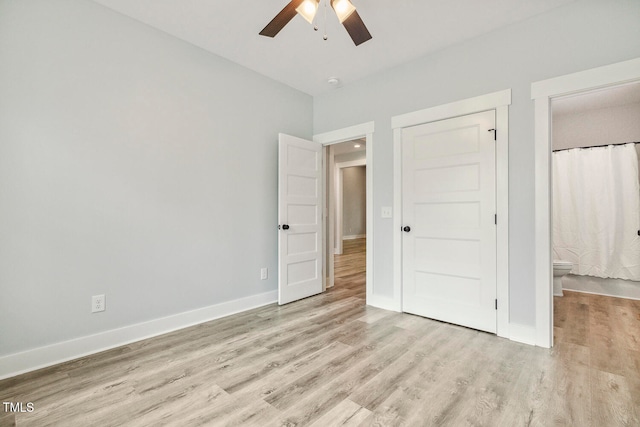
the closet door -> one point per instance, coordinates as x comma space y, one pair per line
449, 206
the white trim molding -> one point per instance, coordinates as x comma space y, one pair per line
354, 236
383, 302
345, 134
339, 190
490, 101
616, 288
41, 357
522, 333
348, 134
498, 101
542, 93
397, 218
595, 78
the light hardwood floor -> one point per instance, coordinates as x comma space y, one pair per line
330, 360
352, 264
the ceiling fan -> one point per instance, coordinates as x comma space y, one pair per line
345, 11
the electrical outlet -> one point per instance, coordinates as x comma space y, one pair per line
97, 303
264, 273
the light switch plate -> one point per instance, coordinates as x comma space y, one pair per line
386, 212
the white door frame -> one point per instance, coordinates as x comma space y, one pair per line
339, 213
363, 130
542, 92
498, 101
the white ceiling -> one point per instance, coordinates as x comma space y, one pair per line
594, 100
349, 147
402, 30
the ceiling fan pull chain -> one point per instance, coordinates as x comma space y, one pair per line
325, 37
315, 21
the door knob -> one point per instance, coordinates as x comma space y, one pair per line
285, 227
406, 229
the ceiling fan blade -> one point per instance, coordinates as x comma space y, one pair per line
281, 19
356, 29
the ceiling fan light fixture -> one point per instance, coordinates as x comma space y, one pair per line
308, 9
343, 9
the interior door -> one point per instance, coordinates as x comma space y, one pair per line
300, 219
449, 231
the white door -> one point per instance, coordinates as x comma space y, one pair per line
448, 209
299, 218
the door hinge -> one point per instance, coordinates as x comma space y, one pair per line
495, 219
495, 134
496, 304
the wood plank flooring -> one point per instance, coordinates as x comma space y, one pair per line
330, 360
352, 263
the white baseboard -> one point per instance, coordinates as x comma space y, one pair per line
354, 236
608, 287
385, 303
522, 333
41, 357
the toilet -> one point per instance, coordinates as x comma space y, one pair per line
560, 268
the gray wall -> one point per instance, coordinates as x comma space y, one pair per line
597, 127
131, 164
354, 201
579, 36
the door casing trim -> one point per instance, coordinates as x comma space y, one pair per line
498, 101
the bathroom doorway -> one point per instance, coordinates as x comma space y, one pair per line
542, 93
595, 199
595, 212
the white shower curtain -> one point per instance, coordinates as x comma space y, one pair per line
596, 210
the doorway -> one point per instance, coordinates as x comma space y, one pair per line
595, 218
347, 207
542, 93
301, 164
308, 176
595, 197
